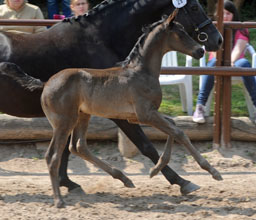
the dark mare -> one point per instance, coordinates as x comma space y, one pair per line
130, 92
98, 39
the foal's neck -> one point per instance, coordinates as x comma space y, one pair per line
151, 53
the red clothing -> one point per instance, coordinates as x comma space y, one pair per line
238, 35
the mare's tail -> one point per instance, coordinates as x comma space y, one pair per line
19, 93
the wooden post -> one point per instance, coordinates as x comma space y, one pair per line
125, 146
226, 99
218, 82
217, 111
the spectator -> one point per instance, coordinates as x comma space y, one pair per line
20, 9
240, 40
79, 7
53, 8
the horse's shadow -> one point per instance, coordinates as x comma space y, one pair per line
237, 149
179, 157
136, 204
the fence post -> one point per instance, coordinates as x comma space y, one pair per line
218, 83
125, 146
226, 99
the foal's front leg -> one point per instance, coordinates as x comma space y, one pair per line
156, 119
138, 137
79, 147
164, 158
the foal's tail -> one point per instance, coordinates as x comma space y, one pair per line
20, 93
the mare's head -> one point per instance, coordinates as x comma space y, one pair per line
160, 37
121, 21
176, 38
198, 25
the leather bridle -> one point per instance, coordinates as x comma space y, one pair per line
201, 35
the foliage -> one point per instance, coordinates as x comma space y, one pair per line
248, 11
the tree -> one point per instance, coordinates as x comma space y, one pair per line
239, 4
211, 7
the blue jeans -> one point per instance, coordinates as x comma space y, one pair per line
208, 82
53, 8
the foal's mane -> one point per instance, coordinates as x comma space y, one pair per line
16, 74
139, 44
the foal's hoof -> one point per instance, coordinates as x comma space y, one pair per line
129, 184
189, 188
154, 171
59, 204
216, 175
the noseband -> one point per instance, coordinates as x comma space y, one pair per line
201, 36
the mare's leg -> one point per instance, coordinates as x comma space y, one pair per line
63, 176
138, 137
78, 146
156, 119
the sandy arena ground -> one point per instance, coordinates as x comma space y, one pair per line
25, 189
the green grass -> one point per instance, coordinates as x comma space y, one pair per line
171, 104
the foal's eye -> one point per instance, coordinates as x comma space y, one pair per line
194, 8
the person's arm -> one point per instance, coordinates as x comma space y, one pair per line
238, 50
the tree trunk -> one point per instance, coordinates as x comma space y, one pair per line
239, 4
211, 7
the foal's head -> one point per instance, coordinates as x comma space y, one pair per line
176, 38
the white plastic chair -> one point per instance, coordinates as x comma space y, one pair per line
235, 80
184, 81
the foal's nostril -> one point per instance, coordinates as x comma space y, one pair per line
201, 52
198, 53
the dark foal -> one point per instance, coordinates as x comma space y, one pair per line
98, 39
130, 92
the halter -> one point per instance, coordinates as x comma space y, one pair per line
201, 36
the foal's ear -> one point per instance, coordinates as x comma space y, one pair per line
172, 16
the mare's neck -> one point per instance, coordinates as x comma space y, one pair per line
123, 22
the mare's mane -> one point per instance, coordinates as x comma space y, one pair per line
16, 74
104, 5
134, 54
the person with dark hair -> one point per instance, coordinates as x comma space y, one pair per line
240, 41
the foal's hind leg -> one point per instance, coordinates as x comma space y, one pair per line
79, 147
155, 119
53, 157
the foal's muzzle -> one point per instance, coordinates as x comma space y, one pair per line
198, 53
